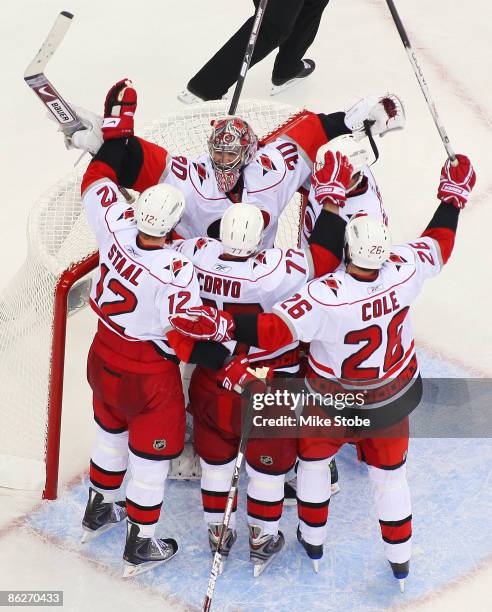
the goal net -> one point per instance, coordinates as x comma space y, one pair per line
53, 283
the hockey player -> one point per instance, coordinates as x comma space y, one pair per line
234, 274
357, 321
133, 361
238, 167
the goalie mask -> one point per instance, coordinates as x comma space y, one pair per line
158, 209
241, 230
367, 242
232, 145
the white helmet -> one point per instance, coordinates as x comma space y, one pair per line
241, 229
347, 145
367, 242
158, 209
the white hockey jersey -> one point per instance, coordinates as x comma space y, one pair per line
249, 286
360, 331
271, 180
136, 289
367, 200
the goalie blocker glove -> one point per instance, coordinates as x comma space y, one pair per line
384, 114
330, 181
456, 182
119, 111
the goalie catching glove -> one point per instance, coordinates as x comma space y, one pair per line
331, 180
119, 111
384, 114
456, 182
205, 323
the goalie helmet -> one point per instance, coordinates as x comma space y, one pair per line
356, 153
367, 242
241, 229
232, 145
159, 209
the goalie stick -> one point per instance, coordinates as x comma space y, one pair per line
245, 429
422, 82
39, 83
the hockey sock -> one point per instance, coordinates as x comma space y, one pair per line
313, 499
393, 505
145, 492
215, 483
109, 460
265, 499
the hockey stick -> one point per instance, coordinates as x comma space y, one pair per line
422, 82
246, 428
39, 83
248, 54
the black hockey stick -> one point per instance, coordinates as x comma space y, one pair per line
422, 82
245, 430
248, 54
36, 79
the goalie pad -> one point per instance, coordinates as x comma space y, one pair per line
384, 113
187, 465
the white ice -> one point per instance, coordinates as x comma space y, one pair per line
160, 45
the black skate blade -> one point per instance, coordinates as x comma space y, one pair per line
130, 570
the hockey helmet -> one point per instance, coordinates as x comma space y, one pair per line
367, 242
158, 209
241, 229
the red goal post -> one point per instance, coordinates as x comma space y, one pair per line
53, 283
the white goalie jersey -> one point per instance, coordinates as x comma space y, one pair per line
250, 286
136, 289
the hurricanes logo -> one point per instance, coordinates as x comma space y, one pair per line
260, 259
332, 283
397, 259
266, 163
266, 460
201, 172
199, 244
175, 266
159, 444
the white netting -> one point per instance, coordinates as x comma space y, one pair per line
58, 239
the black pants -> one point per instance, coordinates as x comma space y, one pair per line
290, 25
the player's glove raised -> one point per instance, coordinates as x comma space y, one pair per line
331, 179
119, 110
456, 182
205, 323
384, 114
238, 376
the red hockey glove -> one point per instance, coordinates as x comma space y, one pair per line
238, 376
119, 110
205, 323
330, 182
456, 182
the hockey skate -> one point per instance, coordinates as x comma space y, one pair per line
263, 548
280, 85
290, 487
213, 540
400, 572
143, 554
99, 516
314, 552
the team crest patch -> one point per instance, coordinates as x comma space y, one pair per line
199, 244
159, 444
266, 460
266, 163
260, 259
201, 172
176, 266
397, 259
332, 283
129, 213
